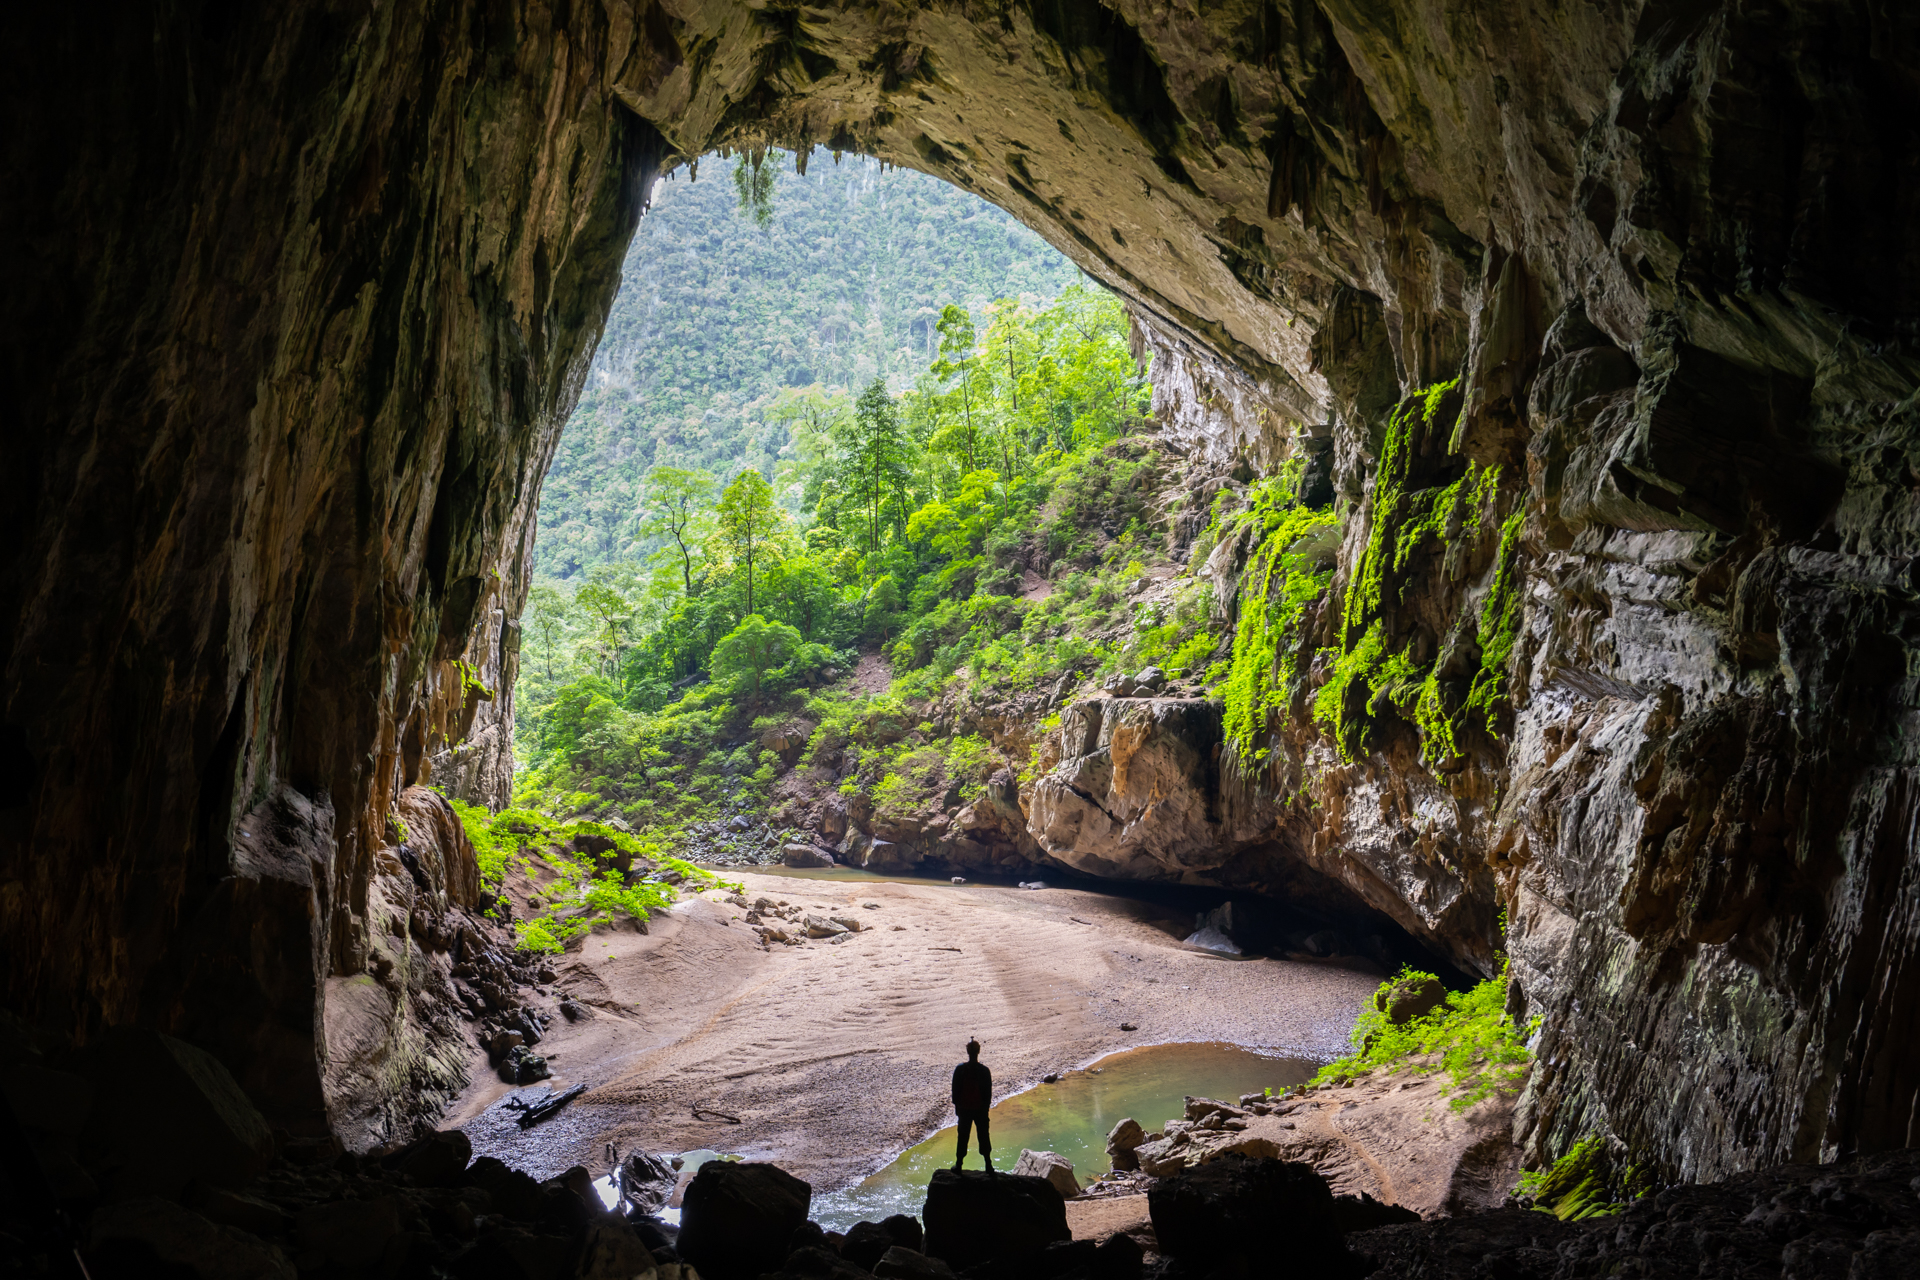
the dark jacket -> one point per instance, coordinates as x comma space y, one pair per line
972, 1088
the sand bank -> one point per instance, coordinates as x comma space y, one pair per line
835, 1056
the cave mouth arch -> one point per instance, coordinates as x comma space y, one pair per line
304, 299
677, 384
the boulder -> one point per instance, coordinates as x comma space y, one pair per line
821, 927
510, 1192
1068, 1257
1117, 1258
1410, 997
804, 856
155, 1094
901, 1263
1052, 1166
349, 1233
973, 1218
810, 1263
1151, 680
888, 855
150, 1236
1125, 1136
238, 1209
646, 1182
1364, 1213
850, 923
1122, 1140
523, 1066
811, 1235
1244, 1208
736, 1219
613, 1251
1160, 1157
437, 1160
905, 1231
866, 1244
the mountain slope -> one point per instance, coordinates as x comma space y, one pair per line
716, 315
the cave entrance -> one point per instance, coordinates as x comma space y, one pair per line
948, 432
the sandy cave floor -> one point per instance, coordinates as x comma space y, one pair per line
836, 1056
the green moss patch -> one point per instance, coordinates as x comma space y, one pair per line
1469, 1036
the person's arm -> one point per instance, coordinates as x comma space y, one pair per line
955, 1091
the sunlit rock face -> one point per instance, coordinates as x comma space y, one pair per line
305, 296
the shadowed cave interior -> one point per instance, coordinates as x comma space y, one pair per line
1593, 321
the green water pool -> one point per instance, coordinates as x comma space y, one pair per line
1072, 1117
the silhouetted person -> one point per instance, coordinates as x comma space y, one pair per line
972, 1095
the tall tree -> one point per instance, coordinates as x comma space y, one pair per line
674, 501
610, 611
874, 457
546, 619
956, 362
749, 518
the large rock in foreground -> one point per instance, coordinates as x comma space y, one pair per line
736, 1220
1394, 1136
165, 1114
1241, 1208
973, 1218
1859, 1219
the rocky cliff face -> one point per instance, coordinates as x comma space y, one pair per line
302, 305
307, 294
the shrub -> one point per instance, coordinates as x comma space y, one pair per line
1470, 1034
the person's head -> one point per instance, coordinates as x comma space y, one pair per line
973, 1050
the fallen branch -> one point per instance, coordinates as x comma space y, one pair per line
548, 1105
1078, 920
943, 948
702, 1113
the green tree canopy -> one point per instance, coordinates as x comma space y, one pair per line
754, 648
748, 519
873, 463
674, 502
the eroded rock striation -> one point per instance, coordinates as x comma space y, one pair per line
303, 295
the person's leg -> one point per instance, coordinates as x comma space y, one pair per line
966, 1123
986, 1143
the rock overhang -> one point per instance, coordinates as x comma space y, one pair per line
296, 419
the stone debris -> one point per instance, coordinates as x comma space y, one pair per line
1052, 1166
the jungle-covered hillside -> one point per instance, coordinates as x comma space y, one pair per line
841, 279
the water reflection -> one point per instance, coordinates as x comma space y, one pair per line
1072, 1117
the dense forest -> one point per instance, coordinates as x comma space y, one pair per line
921, 516
855, 419
720, 312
